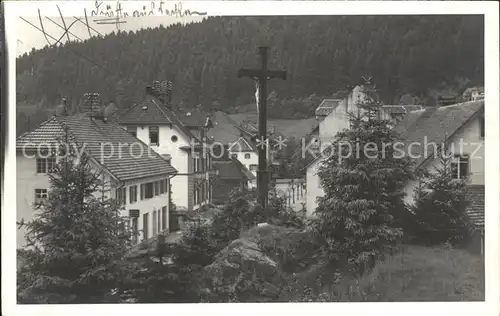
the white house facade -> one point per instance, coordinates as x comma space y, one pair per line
139, 180
461, 129
156, 124
245, 152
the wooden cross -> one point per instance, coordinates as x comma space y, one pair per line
262, 75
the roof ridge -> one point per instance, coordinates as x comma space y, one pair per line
179, 122
160, 107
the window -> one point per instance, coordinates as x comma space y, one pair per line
196, 161
202, 192
148, 187
235, 156
41, 195
173, 138
145, 232
159, 221
195, 196
164, 218
133, 193
154, 224
45, 165
154, 136
132, 130
162, 187
460, 167
121, 196
143, 191
253, 168
481, 126
247, 156
156, 188
134, 230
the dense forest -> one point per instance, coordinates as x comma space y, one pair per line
322, 55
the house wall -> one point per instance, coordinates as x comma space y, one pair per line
28, 180
313, 187
180, 159
473, 145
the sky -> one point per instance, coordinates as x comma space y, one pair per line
29, 37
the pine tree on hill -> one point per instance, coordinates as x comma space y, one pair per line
440, 205
355, 217
74, 239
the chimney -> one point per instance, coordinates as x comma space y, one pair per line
163, 91
91, 104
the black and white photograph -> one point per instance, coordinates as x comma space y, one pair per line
175, 152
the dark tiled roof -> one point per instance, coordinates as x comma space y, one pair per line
401, 109
241, 167
152, 111
102, 142
475, 210
327, 106
224, 129
434, 124
191, 117
146, 112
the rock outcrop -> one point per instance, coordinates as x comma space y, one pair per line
258, 266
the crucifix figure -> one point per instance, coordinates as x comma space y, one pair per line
261, 76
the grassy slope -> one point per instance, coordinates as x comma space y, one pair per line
418, 274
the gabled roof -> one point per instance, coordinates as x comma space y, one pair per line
475, 210
191, 117
233, 170
152, 111
327, 106
147, 111
107, 143
242, 145
429, 125
434, 125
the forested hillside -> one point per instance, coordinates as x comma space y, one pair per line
404, 54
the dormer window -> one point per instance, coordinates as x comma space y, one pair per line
154, 137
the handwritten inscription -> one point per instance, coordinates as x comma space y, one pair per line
154, 8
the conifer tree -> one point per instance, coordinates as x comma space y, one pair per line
75, 238
440, 205
363, 192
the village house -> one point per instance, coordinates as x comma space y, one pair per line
461, 128
245, 150
232, 175
473, 94
155, 122
246, 153
333, 116
139, 179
